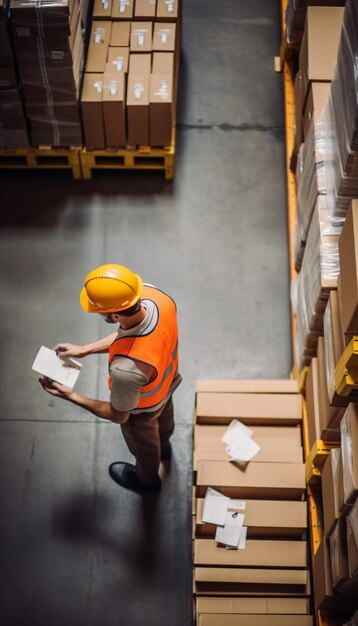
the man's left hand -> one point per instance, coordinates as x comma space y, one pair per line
56, 389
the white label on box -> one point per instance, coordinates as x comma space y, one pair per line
98, 86
23, 31
113, 87
123, 5
99, 35
58, 55
170, 5
163, 90
105, 4
138, 90
164, 35
215, 507
237, 505
118, 63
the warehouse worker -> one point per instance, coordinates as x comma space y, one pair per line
143, 369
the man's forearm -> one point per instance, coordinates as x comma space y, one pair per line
99, 346
99, 408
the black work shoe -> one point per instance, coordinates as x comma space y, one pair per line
125, 475
166, 452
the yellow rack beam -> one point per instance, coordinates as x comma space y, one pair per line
346, 374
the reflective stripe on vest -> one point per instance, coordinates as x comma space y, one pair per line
158, 349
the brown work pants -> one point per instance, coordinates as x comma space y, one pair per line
145, 435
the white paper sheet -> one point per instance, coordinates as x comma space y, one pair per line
64, 370
234, 430
243, 450
215, 507
230, 533
243, 535
240, 445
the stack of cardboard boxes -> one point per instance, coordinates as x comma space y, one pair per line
334, 418
48, 43
273, 564
342, 119
13, 126
128, 95
325, 407
336, 559
328, 36
295, 16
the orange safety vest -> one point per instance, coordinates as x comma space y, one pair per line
159, 349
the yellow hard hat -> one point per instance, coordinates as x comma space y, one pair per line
110, 288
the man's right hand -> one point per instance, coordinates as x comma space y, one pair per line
69, 349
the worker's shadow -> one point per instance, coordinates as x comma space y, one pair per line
87, 518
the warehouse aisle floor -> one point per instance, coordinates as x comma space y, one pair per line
76, 549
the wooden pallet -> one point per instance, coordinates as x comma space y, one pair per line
41, 158
141, 158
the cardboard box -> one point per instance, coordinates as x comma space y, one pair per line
255, 620
348, 259
275, 606
352, 541
267, 454
281, 481
113, 103
238, 581
334, 347
120, 34
92, 112
257, 553
139, 63
138, 109
330, 490
317, 98
122, 9
243, 386
98, 46
329, 416
167, 10
263, 518
312, 392
102, 9
222, 408
161, 110
265, 436
163, 63
164, 37
117, 59
338, 553
349, 453
141, 37
145, 9
325, 599
319, 46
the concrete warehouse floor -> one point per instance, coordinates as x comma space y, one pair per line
77, 549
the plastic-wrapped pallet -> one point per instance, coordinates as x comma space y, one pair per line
318, 275
296, 15
48, 44
342, 118
311, 180
13, 127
